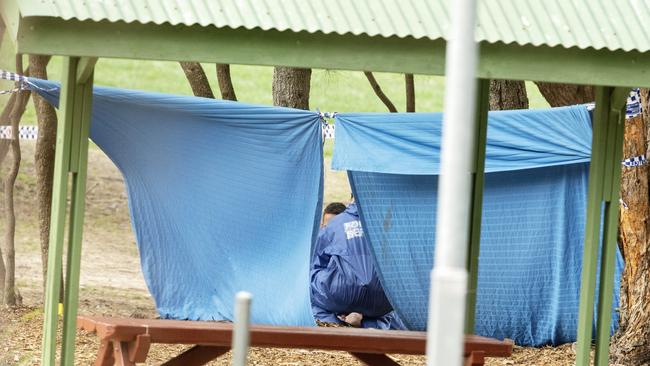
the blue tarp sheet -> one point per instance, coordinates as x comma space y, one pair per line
533, 215
224, 197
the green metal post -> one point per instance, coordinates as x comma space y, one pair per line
482, 106
78, 167
57, 221
610, 235
592, 229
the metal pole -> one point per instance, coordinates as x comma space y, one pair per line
449, 275
482, 106
241, 331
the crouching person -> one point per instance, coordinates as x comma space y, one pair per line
345, 288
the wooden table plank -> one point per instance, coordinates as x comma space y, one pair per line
340, 339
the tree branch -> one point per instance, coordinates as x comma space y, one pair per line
44, 161
410, 92
377, 89
198, 81
225, 82
558, 95
11, 295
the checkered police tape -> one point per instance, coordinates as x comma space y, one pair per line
24, 132
328, 131
635, 161
8, 75
633, 107
327, 128
21, 80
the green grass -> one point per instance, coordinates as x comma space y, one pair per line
340, 91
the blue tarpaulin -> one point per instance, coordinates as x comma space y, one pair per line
533, 215
224, 197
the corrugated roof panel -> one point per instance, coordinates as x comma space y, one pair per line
615, 25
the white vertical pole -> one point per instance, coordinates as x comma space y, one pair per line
241, 331
449, 275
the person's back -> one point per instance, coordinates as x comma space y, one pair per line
343, 275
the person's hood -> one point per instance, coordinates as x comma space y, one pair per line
352, 209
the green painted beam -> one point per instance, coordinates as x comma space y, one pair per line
55, 36
592, 229
85, 69
77, 209
76, 127
10, 16
482, 106
58, 215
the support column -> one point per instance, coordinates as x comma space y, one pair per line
71, 157
604, 182
78, 168
610, 230
482, 107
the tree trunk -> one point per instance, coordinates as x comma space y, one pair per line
291, 87
198, 81
4, 145
11, 296
380, 93
508, 94
558, 95
631, 346
44, 161
225, 82
410, 92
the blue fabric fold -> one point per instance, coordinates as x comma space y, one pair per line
409, 143
224, 197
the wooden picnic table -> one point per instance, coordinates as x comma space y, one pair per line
126, 341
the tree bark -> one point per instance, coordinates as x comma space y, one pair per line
631, 346
558, 95
11, 295
291, 87
6, 112
508, 94
44, 161
410, 92
198, 81
225, 82
4, 121
380, 93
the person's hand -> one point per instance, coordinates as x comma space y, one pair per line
353, 319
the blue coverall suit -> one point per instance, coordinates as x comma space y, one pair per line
343, 276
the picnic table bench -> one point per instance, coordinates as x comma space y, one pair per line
126, 341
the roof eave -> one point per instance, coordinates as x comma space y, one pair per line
55, 36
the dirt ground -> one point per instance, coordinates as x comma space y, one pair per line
112, 283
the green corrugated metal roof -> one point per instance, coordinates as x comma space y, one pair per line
614, 25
